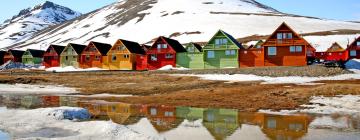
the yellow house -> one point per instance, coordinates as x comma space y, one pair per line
122, 55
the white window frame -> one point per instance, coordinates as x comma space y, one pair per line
227, 52
358, 43
298, 49
153, 57
292, 49
153, 111
353, 53
159, 46
210, 54
233, 52
164, 46
279, 36
272, 51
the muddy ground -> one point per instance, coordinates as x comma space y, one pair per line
158, 87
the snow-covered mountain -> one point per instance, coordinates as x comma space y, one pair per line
31, 20
184, 20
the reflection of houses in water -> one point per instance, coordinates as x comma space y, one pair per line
97, 109
2, 100
69, 101
50, 101
12, 101
221, 123
31, 101
163, 118
189, 113
123, 113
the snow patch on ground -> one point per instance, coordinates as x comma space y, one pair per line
274, 80
35, 89
71, 69
52, 123
103, 95
170, 67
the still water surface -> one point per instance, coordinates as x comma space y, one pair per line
178, 123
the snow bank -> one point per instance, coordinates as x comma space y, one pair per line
68, 113
273, 80
71, 69
35, 89
353, 64
170, 67
41, 123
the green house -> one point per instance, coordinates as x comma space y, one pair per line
222, 51
31, 101
221, 123
189, 113
192, 59
71, 55
33, 57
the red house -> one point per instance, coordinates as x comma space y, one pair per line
13, 55
94, 55
52, 56
2, 54
354, 49
161, 53
285, 47
141, 59
334, 53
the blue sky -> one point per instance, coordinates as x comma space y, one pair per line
331, 9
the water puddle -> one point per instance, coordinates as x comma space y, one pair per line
4, 136
178, 123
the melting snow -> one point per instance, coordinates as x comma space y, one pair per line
35, 89
71, 69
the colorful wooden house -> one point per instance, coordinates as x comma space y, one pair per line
2, 54
163, 118
221, 123
222, 51
94, 55
141, 59
31, 101
334, 53
193, 58
52, 56
69, 101
190, 113
13, 55
33, 57
253, 56
50, 101
285, 127
122, 55
124, 114
162, 53
285, 47
97, 109
12, 101
354, 49
70, 56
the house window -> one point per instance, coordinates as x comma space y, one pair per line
164, 46
222, 41
153, 111
284, 36
210, 54
66, 58
126, 56
97, 57
358, 43
87, 58
113, 57
158, 46
298, 48
289, 35
191, 49
279, 36
169, 114
271, 123
230, 52
296, 127
113, 108
121, 48
353, 53
292, 48
92, 49
168, 56
153, 57
271, 50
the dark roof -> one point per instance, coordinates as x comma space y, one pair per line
58, 48
233, 40
174, 44
78, 48
2, 53
198, 46
133, 47
102, 47
17, 53
36, 53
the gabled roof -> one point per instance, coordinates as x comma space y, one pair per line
36, 53
133, 47
102, 47
286, 26
174, 44
17, 53
58, 49
354, 42
197, 46
335, 47
77, 47
230, 37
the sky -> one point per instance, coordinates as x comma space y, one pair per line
348, 10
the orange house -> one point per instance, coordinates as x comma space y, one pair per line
122, 55
252, 56
285, 47
163, 118
94, 55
